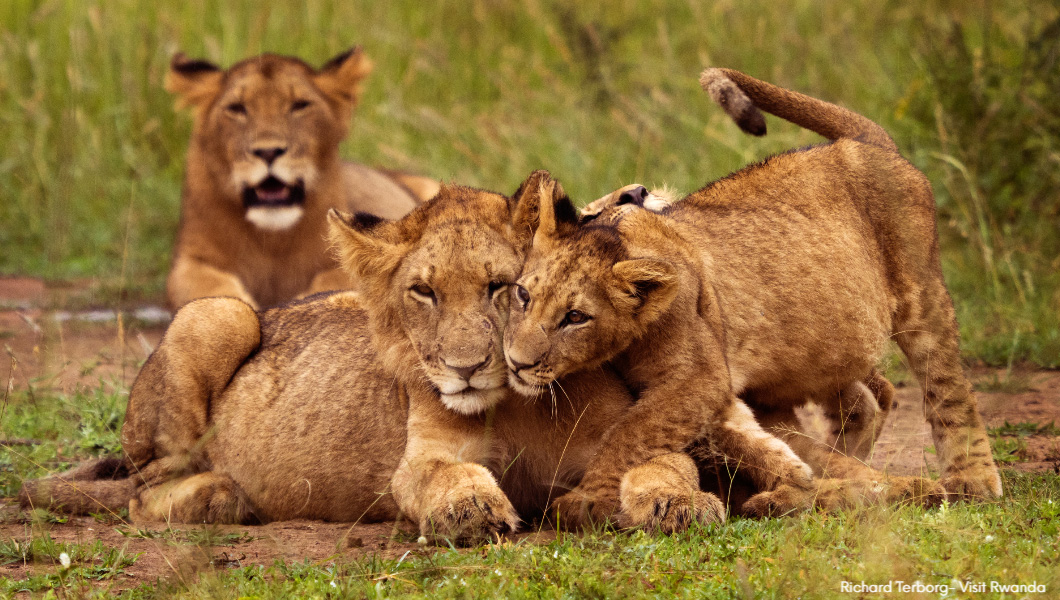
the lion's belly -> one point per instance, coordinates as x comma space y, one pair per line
806, 311
315, 438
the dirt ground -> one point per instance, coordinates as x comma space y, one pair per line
64, 350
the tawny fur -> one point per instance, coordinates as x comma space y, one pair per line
271, 116
331, 407
653, 319
809, 263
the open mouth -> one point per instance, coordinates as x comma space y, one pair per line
273, 193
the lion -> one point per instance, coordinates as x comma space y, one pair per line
853, 424
368, 404
781, 282
262, 171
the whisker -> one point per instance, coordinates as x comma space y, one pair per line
566, 395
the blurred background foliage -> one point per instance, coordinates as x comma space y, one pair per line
603, 94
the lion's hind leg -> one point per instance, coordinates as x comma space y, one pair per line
663, 495
168, 420
209, 497
843, 482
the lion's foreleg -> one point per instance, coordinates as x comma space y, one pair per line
663, 494
767, 459
325, 281
191, 279
441, 484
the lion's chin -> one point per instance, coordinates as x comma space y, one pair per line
472, 401
275, 218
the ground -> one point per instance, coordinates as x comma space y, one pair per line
64, 350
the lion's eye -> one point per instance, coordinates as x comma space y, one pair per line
574, 317
424, 291
237, 108
522, 295
496, 286
298, 105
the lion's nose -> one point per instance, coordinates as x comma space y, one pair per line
466, 372
636, 196
269, 154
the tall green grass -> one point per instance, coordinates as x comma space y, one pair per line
481, 92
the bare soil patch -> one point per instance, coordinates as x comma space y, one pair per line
905, 446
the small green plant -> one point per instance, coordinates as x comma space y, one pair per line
1024, 429
1009, 449
1008, 383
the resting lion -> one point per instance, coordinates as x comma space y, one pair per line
781, 282
355, 406
263, 170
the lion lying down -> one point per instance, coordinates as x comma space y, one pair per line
339, 409
263, 170
779, 283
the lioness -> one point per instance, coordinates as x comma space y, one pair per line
302, 410
262, 171
795, 273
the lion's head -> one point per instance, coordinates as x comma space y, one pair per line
582, 297
435, 284
266, 128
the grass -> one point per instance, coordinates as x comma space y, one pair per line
90, 562
483, 92
1012, 541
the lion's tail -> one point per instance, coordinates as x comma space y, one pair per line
97, 486
743, 97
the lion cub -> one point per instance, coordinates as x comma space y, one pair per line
584, 299
263, 169
781, 282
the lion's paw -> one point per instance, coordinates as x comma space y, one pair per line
982, 483
473, 508
783, 500
671, 513
580, 508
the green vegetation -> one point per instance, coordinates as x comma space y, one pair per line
1013, 541
804, 556
482, 92
84, 562
62, 428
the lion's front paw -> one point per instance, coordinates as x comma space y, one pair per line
671, 513
785, 499
580, 508
982, 483
469, 507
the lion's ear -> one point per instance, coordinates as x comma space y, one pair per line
363, 250
540, 208
341, 79
646, 286
194, 82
